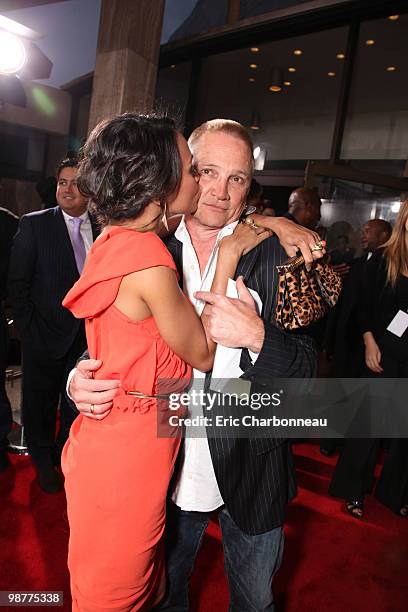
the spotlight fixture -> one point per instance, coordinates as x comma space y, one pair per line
13, 56
370, 42
393, 17
254, 49
287, 83
391, 68
275, 82
340, 56
298, 52
173, 66
255, 121
251, 80
291, 69
253, 66
331, 74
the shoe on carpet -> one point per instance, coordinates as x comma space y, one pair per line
4, 460
49, 479
355, 508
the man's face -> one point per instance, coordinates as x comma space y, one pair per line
371, 237
68, 196
224, 164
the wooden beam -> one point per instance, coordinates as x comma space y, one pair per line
347, 173
234, 10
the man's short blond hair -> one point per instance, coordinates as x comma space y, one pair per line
227, 126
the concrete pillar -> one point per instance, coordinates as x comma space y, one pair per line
126, 57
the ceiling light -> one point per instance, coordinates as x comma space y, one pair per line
331, 74
13, 54
253, 66
251, 80
287, 83
297, 52
370, 42
393, 17
391, 68
340, 56
172, 66
255, 121
254, 49
275, 79
291, 69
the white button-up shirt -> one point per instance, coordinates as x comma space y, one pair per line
86, 228
196, 487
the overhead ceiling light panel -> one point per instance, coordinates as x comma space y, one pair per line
370, 42
292, 69
331, 74
298, 52
13, 56
254, 49
391, 68
393, 17
287, 83
340, 56
253, 66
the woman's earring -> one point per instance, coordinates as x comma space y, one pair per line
249, 210
164, 217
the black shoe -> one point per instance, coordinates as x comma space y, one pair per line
327, 452
49, 479
4, 461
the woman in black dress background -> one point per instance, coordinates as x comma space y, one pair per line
386, 355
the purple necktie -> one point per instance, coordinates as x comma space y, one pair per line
78, 243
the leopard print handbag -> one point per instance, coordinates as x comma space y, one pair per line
305, 297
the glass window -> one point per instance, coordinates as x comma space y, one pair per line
376, 132
347, 206
282, 90
172, 90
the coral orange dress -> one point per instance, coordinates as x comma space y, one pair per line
117, 470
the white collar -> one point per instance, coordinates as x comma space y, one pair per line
84, 216
182, 231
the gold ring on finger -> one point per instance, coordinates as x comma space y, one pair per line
317, 247
251, 223
91, 409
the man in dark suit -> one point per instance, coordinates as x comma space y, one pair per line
8, 227
47, 257
248, 482
348, 346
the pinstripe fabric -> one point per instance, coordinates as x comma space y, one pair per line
256, 476
42, 270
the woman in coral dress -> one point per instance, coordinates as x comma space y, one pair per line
143, 328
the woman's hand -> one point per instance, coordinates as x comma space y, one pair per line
293, 237
242, 240
372, 354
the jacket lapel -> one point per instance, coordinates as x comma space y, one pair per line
246, 264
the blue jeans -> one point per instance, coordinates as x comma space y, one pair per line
251, 561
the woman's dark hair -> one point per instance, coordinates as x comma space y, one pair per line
128, 162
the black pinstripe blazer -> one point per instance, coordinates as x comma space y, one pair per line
256, 476
42, 270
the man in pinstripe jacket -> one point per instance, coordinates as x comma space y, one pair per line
248, 482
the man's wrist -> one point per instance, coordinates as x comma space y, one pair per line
258, 336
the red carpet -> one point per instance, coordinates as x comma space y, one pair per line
332, 562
